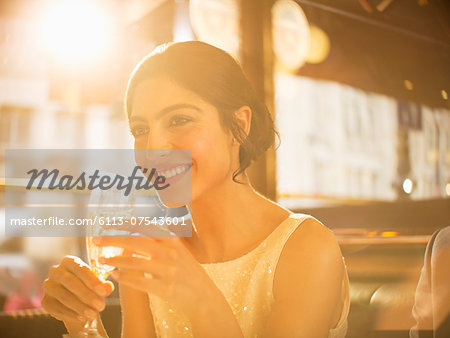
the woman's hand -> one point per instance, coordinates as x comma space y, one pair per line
162, 266
73, 293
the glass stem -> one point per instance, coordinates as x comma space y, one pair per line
91, 324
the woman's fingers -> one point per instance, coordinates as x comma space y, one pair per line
139, 263
69, 300
71, 282
77, 267
141, 281
61, 312
143, 245
73, 292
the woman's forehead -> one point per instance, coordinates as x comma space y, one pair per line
158, 89
156, 95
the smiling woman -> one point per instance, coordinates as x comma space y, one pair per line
252, 268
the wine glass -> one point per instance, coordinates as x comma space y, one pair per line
108, 208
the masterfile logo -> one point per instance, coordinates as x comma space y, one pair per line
60, 192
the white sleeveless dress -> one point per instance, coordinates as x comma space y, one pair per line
247, 284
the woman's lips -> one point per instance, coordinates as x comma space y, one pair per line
173, 170
174, 173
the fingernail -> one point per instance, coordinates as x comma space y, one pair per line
97, 304
100, 290
90, 314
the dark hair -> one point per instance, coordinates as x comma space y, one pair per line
216, 76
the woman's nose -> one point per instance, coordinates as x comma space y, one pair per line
158, 140
155, 149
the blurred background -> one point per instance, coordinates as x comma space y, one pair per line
358, 89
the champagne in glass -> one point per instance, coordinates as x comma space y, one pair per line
98, 230
108, 208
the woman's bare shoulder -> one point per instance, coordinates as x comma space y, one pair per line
311, 258
308, 278
311, 240
311, 237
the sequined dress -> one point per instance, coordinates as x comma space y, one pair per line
247, 284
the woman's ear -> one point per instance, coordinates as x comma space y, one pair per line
244, 118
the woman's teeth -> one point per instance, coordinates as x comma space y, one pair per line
174, 171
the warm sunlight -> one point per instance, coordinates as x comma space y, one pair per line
75, 31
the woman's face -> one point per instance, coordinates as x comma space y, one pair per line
167, 116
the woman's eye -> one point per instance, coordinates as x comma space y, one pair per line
139, 131
179, 120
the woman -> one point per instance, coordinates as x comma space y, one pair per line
250, 270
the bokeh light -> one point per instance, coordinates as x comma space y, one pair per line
408, 186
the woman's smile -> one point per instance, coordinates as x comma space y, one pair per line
175, 172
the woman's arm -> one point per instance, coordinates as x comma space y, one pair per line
307, 284
137, 318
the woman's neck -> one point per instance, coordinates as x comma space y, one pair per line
225, 218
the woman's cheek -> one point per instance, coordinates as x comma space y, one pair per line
139, 143
200, 145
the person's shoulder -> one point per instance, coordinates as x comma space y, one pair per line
311, 231
308, 232
311, 257
312, 241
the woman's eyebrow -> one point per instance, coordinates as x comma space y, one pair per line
175, 107
166, 110
137, 118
